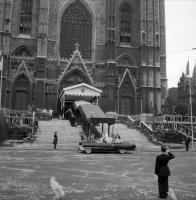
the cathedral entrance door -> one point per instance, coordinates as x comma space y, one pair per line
21, 100
125, 106
21, 93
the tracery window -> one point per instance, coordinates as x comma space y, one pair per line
22, 83
125, 23
26, 17
76, 27
22, 52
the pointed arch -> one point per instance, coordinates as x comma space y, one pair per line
22, 51
126, 95
23, 70
79, 17
125, 59
127, 73
73, 77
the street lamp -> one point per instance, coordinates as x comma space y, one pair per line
192, 130
140, 98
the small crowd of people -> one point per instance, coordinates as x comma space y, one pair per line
102, 138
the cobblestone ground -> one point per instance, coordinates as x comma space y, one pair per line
25, 171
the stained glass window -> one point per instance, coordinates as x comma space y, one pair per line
26, 17
125, 23
76, 27
22, 83
22, 51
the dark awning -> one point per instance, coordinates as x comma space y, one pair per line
94, 114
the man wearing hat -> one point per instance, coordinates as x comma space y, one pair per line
162, 171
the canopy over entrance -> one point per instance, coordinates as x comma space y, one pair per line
94, 114
79, 92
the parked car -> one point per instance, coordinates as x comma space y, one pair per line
89, 147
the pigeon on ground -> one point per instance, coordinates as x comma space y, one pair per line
172, 194
57, 189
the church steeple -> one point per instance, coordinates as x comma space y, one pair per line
194, 72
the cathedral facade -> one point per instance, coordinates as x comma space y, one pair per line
117, 46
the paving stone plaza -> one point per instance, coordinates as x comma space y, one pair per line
25, 170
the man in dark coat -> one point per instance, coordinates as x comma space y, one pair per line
187, 142
162, 171
55, 140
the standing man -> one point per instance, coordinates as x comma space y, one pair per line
162, 171
55, 140
187, 142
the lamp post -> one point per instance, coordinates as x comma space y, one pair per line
192, 116
190, 95
140, 98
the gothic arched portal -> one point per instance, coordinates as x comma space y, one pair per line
73, 78
21, 93
76, 27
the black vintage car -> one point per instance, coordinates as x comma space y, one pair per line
89, 147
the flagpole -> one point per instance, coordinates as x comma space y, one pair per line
191, 111
190, 98
2, 52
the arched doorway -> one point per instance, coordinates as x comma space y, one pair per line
73, 77
126, 99
76, 27
21, 93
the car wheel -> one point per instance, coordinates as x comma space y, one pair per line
122, 151
88, 150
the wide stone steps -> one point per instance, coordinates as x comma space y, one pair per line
67, 135
132, 136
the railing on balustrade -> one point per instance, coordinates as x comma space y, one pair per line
174, 118
18, 124
20, 121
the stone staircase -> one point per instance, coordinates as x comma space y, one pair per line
68, 136
133, 136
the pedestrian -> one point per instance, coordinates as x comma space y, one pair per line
162, 171
55, 140
187, 142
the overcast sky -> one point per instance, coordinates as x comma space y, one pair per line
180, 36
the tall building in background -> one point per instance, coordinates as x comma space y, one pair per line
117, 46
184, 88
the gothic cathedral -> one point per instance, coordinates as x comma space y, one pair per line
117, 46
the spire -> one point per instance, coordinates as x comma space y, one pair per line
187, 68
194, 72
